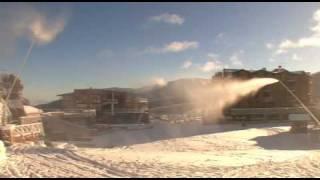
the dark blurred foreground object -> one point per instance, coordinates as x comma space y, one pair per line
299, 123
15, 102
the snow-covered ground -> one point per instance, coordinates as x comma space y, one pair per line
173, 150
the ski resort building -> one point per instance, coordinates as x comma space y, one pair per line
273, 95
272, 101
112, 105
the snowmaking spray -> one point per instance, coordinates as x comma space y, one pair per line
214, 97
222, 93
41, 31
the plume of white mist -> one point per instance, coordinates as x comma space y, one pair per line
215, 97
44, 31
20, 20
159, 81
26, 21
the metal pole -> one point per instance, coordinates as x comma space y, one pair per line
22, 66
305, 107
24, 62
6, 114
112, 104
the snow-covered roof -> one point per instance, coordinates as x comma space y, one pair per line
277, 70
231, 70
31, 110
297, 72
65, 94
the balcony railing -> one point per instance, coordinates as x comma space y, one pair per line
125, 110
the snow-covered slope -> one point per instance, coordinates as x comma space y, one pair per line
185, 150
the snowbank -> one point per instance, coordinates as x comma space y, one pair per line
173, 150
32, 110
2, 151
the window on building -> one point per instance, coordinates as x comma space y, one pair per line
291, 84
266, 94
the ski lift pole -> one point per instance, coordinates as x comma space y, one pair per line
301, 103
22, 66
112, 104
24, 62
6, 114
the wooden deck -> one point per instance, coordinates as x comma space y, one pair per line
280, 113
13, 133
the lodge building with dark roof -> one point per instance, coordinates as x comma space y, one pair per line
112, 105
274, 95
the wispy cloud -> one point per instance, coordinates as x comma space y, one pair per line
25, 21
220, 35
174, 47
295, 57
105, 53
160, 81
180, 46
187, 64
271, 60
280, 51
211, 66
43, 31
235, 59
168, 18
213, 56
269, 45
309, 41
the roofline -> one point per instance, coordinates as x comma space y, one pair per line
64, 94
272, 71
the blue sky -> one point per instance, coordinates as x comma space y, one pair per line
135, 44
